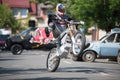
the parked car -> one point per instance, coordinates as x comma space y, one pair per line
4, 34
30, 38
107, 47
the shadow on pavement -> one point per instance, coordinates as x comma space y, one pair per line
66, 70
21, 71
88, 70
8, 59
49, 78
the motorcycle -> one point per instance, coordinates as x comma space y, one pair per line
70, 41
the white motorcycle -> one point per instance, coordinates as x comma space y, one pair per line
71, 41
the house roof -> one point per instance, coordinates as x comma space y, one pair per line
20, 4
17, 3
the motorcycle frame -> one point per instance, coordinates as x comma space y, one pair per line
68, 32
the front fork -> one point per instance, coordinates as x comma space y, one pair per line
71, 33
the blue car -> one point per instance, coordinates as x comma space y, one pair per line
107, 47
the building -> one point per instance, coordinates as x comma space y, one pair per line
24, 10
42, 14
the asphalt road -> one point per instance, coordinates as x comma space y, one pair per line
31, 65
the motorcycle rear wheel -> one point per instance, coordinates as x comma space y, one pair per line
52, 61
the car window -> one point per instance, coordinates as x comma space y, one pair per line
118, 38
111, 38
24, 33
28, 32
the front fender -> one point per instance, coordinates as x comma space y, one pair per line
93, 47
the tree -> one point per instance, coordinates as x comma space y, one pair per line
103, 13
7, 19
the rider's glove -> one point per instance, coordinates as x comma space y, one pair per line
81, 22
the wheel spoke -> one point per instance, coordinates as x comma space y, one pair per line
52, 61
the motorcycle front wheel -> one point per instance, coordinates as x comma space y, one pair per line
52, 61
79, 45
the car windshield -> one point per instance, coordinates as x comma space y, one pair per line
103, 38
28, 32
23, 33
114, 37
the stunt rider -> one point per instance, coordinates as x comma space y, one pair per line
56, 21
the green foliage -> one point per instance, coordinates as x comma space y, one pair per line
103, 13
7, 19
4, 14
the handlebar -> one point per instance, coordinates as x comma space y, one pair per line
72, 22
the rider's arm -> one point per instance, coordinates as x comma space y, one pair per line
51, 19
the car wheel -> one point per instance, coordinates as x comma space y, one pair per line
16, 49
118, 57
89, 56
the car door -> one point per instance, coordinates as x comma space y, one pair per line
110, 46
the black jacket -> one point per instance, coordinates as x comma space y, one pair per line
57, 23
54, 18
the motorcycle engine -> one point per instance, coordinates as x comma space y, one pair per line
65, 46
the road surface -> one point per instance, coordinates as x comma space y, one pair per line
31, 65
